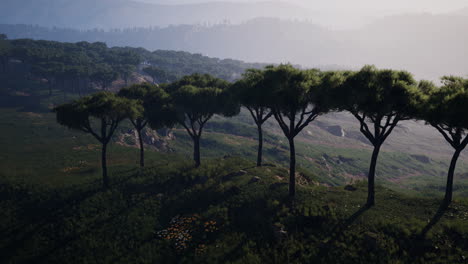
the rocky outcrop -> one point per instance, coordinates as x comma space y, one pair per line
335, 130
158, 140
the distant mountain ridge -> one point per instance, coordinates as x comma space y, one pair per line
463, 12
427, 45
87, 14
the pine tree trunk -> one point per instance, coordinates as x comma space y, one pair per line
292, 169
105, 178
2, 61
62, 86
50, 87
260, 145
142, 149
196, 151
78, 87
371, 176
451, 173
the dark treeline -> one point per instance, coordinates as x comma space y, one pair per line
176, 64
71, 68
379, 100
82, 66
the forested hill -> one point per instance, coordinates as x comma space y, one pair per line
49, 72
101, 65
182, 63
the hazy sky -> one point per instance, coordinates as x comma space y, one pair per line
361, 6
349, 14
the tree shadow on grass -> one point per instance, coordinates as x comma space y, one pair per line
337, 232
54, 215
420, 244
36, 216
57, 202
36, 223
57, 207
91, 228
435, 219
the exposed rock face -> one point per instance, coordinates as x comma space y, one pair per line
158, 139
165, 132
155, 139
336, 131
301, 179
134, 78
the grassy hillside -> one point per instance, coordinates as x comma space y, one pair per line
53, 209
226, 211
37, 147
415, 156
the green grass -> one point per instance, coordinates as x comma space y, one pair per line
79, 223
54, 210
332, 165
32, 142
36, 149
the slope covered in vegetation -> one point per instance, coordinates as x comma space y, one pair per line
53, 209
225, 211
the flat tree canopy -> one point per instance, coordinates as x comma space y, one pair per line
446, 109
99, 115
292, 98
5, 50
253, 93
105, 106
295, 101
448, 105
196, 98
154, 109
379, 99
376, 93
140, 93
